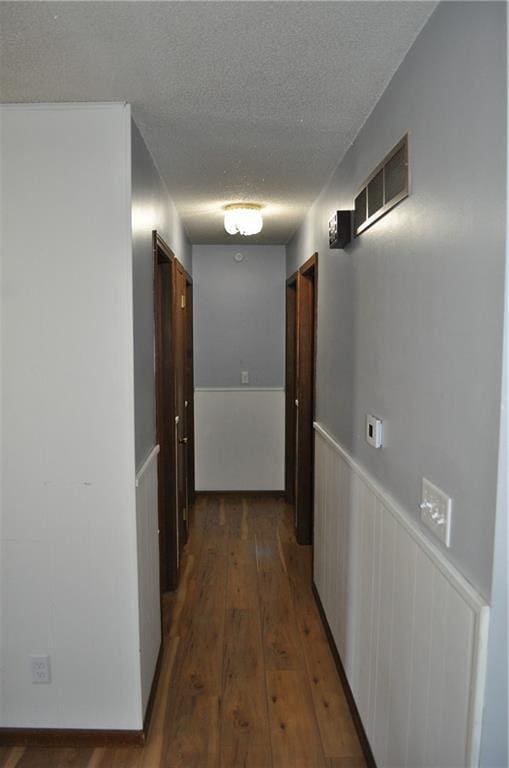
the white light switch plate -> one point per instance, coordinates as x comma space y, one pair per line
436, 511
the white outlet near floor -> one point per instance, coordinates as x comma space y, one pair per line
244, 377
436, 509
40, 666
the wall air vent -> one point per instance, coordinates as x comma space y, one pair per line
385, 188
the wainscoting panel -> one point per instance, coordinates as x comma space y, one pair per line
410, 630
148, 570
239, 439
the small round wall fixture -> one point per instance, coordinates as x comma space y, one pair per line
239, 257
243, 219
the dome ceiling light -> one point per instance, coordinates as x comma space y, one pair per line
243, 219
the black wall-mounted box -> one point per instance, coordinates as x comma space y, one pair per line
340, 229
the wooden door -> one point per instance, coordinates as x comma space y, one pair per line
291, 387
189, 402
165, 411
181, 421
174, 412
305, 399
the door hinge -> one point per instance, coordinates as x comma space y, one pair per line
185, 513
183, 301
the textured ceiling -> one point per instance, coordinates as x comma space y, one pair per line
253, 101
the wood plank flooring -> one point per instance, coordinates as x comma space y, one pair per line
247, 679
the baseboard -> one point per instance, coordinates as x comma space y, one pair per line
69, 737
366, 748
153, 690
268, 494
74, 737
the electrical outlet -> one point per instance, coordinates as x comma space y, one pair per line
436, 509
244, 377
41, 672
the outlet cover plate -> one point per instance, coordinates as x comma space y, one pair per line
40, 666
436, 508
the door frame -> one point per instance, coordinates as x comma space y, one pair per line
304, 393
290, 386
164, 364
185, 427
191, 490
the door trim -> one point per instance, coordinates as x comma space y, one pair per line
164, 258
301, 390
290, 386
182, 328
191, 485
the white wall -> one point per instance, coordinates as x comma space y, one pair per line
147, 532
68, 525
240, 439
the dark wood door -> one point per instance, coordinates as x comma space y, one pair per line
305, 400
291, 387
165, 411
174, 411
189, 402
181, 438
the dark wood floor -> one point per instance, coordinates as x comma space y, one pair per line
247, 677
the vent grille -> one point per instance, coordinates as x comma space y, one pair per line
360, 210
376, 194
385, 188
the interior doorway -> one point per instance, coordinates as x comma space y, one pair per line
301, 292
184, 420
291, 387
174, 414
189, 401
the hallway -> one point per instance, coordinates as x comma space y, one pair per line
247, 677
254, 400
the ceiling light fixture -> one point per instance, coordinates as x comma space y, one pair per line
243, 219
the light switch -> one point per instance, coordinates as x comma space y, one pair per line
436, 509
244, 377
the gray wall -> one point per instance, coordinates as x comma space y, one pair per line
239, 315
495, 733
410, 315
152, 208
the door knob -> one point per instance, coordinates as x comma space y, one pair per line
183, 440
